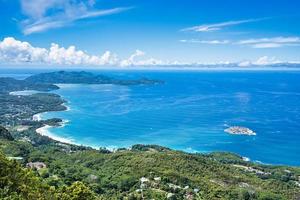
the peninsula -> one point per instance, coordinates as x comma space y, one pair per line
82, 77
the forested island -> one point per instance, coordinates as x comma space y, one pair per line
37, 167
83, 77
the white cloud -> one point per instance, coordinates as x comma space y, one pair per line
135, 59
37, 9
244, 63
264, 60
71, 56
131, 59
109, 58
259, 43
13, 51
266, 45
273, 42
137, 53
219, 26
43, 15
274, 39
206, 41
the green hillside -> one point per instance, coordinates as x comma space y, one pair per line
143, 172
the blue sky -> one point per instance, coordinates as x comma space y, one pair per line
136, 32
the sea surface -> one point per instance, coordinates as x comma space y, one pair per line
189, 112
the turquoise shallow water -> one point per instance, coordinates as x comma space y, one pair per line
190, 112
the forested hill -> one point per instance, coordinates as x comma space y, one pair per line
85, 78
11, 84
46, 81
52, 170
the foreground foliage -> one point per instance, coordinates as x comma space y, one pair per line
21, 183
149, 172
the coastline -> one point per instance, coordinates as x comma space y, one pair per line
60, 135
68, 108
44, 131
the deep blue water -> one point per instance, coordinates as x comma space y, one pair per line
190, 112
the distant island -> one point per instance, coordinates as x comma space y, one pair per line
82, 77
46, 81
239, 130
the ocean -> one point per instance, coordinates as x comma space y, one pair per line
189, 112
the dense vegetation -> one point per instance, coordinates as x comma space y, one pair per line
35, 167
11, 84
20, 109
21, 183
149, 171
84, 78
17, 109
5, 134
46, 81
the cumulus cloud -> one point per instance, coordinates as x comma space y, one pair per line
108, 58
219, 26
13, 51
264, 60
42, 15
72, 56
135, 59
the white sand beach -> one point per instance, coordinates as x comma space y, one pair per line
45, 132
45, 129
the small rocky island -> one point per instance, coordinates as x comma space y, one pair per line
239, 130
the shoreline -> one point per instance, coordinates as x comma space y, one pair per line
44, 131
68, 108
